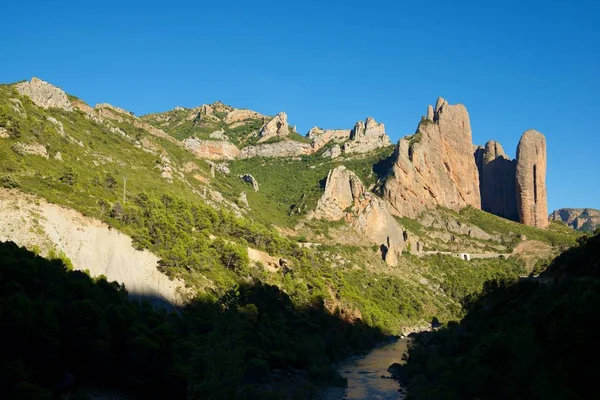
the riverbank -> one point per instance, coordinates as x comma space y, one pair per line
367, 375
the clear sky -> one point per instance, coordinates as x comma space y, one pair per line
514, 64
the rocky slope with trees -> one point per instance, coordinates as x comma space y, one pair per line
326, 226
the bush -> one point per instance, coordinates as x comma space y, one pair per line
69, 176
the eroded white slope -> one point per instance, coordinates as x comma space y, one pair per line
89, 243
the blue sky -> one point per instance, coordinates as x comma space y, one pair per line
515, 65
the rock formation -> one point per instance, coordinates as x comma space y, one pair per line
320, 137
497, 182
341, 189
346, 197
44, 94
241, 115
284, 148
532, 203
334, 152
367, 136
211, 149
435, 166
276, 128
251, 180
581, 219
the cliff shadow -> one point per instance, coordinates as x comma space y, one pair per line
65, 331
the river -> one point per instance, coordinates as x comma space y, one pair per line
364, 375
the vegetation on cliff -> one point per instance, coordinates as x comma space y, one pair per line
526, 339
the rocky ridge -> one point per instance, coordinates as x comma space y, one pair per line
44, 94
439, 166
436, 165
581, 219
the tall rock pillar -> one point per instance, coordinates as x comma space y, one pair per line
532, 203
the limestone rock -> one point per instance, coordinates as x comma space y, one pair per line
435, 166
44, 94
219, 135
4, 133
367, 136
244, 200
211, 149
346, 197
251, 180
58, 156
34, 149
285, 148
334, 152
581, 219
276, 128
241, 115
320, 137
221, 167
497, 182
532, 204
342, 187
59, 126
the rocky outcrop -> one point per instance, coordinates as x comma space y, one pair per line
581, 219
219, 135
44, 94
241, 115
211, 149
436, 165
334, 152
532, 204
276, 128
497, 181
320, 137
251, 180
367, 136
33, 149
244, 200
346, 197
341, 189
285, 148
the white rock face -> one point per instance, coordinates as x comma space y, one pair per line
88, 243
211, 149
241, 115
346, 197
285, 148
276, 128
334, 152
320, 137
4, 133
44, 94
33, 149
219, 135
366, 137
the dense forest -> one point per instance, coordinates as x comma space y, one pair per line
530, 339
64, 332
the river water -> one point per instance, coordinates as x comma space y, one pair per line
364, 375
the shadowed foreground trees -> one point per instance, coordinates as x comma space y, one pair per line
531, 339
63, 330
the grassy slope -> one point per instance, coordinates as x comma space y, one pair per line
385, 297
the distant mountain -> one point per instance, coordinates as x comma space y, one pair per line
581, 219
